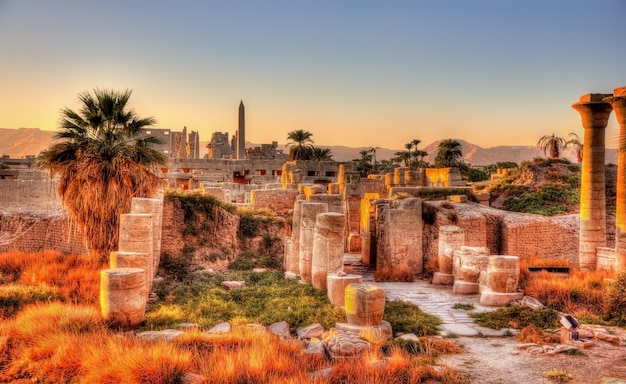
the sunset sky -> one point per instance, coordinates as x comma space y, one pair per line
356, 73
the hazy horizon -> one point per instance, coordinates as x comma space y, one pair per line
354, 73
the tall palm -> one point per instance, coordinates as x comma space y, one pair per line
449, 155
403, 156
551, 145
102, 162
414, 143
299, 142
575, 142
321, 154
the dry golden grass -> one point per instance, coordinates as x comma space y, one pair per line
581, 292
432, 266
394, 274
532, 334
74, 278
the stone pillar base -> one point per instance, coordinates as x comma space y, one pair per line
461, 287
497, 299
336, 287
373, 334
443, 278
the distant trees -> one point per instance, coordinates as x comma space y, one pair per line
102, 162
551, 145
321, 154
450, 154
575, 142
299, 143
364, 163
412, 157
301, 148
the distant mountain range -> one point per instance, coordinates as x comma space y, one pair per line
30, 141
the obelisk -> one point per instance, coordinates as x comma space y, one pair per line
241, 133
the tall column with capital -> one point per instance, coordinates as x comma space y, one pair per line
618, 101
594, 114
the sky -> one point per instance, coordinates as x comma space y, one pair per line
352, 72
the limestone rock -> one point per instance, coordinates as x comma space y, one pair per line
166, 334
342, 344
281, 329
223, 327
233, 284
188, 327
409, 337
310, 331
315, 347
532, 303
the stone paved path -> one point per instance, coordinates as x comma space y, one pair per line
433, 299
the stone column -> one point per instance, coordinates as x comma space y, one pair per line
122, 296
308, 217
594, 115
136, 235
619, 105
328, 239
451, 238
140, 260
155, 207
292, 263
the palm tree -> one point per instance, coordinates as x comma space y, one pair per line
403, 156
449, 155
364, 163
321, 154
551, 145
102, 162
299, 142
575, 142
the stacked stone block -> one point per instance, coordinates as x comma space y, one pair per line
451, 238
399, 242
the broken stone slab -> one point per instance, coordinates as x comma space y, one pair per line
166, 334
408, 337
498, 299
291, 275
341, 344
372, 334
315, 347
613, 339
532, 303
443, 278
314, 330
223, 327
281, 329
259, 270
233, 284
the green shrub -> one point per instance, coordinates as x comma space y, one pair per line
14, 297
408, 318
517, 317
429, 213
178, 267
616, 300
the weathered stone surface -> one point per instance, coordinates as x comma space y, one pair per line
498, 299
336, 287
281, 329
451, 238
373, 334
155, 208
409, 337
328, 242
277, 200
399, 240
341, 344
136, 234
310, 331
503, 273
233, 284
223, 327
531, 302
308, 218
166, 334
123, 296
364, 304
333, 201
468, 264
614, 339
458, 198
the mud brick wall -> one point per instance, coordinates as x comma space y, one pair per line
28, 195
532, 235
279, 200
34, 232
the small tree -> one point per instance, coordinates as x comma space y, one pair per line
102, 163
299, 143
551, 146
449, 155
575, 142
321, 154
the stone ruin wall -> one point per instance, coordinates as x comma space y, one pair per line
36, 232
277, 200
32, 191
